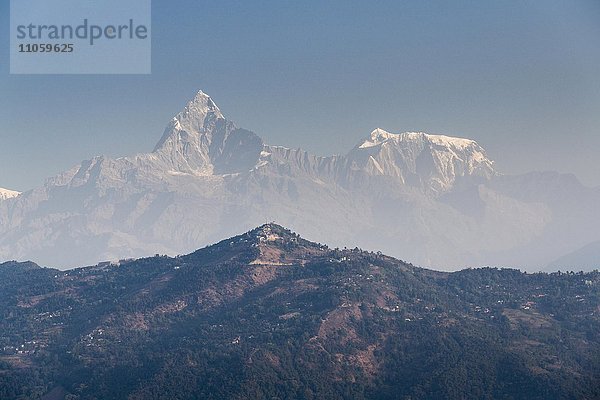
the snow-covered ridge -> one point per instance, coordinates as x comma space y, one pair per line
379, 137
433, 162
8, 194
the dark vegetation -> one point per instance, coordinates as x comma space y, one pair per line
268, 315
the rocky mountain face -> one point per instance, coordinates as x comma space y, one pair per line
268, 314
431, 199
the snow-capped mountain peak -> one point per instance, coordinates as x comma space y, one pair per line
202, 105
200, 111
8, 194
431, 161
199, 141
198, 117
379, 136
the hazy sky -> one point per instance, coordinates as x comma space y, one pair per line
522, 78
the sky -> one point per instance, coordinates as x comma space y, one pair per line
520, 77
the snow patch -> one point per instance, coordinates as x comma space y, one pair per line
8, 194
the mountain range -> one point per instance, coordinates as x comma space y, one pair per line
435, 200
268, 314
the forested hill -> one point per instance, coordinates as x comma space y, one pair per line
269, 315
